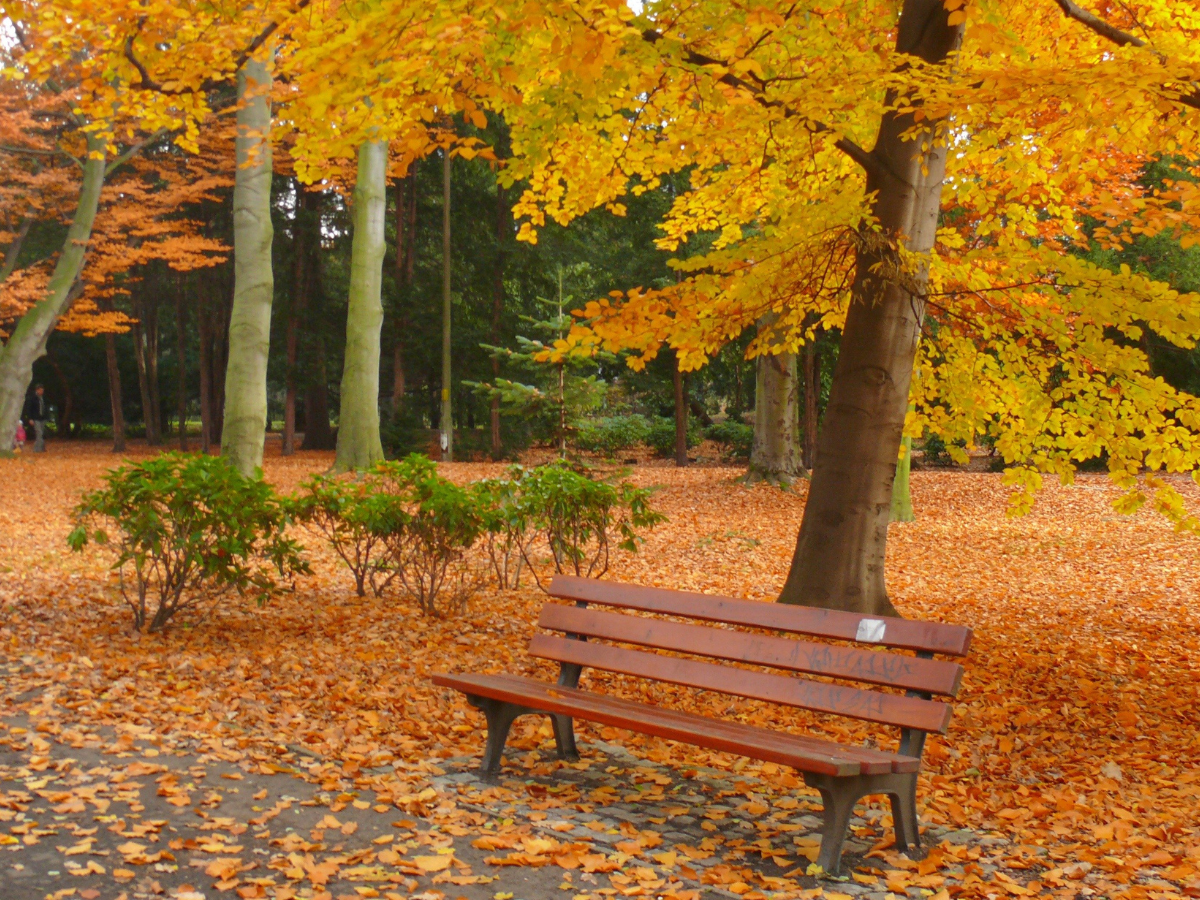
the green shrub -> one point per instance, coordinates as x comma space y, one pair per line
404, 432
737, 437
579, 519
661, 437
356, 516
612, 434
427, 554
187, 530
936, 452
504, 525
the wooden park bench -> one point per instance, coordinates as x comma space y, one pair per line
842, 773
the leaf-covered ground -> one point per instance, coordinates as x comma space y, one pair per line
1072, 766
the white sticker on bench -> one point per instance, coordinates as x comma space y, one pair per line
871, 631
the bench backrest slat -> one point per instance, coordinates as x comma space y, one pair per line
909, 634
873, 667
872, 706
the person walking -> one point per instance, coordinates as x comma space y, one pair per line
37, 411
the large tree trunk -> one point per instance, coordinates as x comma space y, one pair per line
775, 453
28, 339
245, 421
840, 551
358, 444
114, 392
446, 418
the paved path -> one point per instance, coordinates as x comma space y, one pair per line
105, 816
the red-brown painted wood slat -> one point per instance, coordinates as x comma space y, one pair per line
803, 753
909, 634
873, 667
872, 706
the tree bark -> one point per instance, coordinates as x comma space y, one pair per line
245, 420
840, 550
775, 453
203, 319
14, 249
114, 392
681, 417
446, 418
358, 443
141, 355
28, 339
317, 433
181, 353
812, 401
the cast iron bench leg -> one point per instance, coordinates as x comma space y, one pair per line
839, 794
501, 715
564, 737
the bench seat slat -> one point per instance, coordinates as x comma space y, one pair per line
872, 706
909, 634
805, 754
873, 667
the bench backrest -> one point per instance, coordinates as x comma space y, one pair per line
920, 676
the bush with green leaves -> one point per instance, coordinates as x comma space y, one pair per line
736, 437
356, 516
612, 434
579, 520
661, 437
442, 521
504, 526
187, 531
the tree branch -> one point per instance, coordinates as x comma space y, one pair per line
14, 249
1121, 38
133, 151
868, 162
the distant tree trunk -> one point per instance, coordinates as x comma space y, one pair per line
181, 352
681, 417
406, 230
812, 400
28, 339
358, 443
902, 508
145, 354
841, 548
775, 454
317, 433
114, 392
63, 420
203, 321
446, 418
245, 424
497, 311
397, 375
300, 227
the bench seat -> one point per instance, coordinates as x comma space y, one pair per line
806, 754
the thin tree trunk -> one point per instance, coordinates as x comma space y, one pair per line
150, 333
840, 550
775, 453
299, 267
902, 508
497, 311
245, 420
812, 400
28, 339
181, 353
397, 374
114, 392
203, 319
446, 418
358, 443
317, 433
681, 417
143, 370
